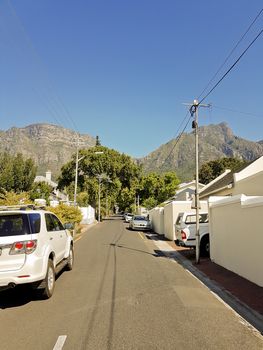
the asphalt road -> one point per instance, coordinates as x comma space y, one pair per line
122, 294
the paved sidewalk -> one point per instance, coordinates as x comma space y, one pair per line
245, 297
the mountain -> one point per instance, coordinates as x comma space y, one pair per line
50, 146
215, 141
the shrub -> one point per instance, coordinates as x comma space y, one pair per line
67, 213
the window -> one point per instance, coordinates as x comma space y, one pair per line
13, 225
34, 220
191, 219
49, 223
57, 223
179, 219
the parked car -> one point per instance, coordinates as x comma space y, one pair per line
185, 231
34, 247
140, 222
128, 217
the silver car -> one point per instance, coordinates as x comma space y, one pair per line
140, 223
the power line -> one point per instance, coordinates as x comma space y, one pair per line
179, 136
240, 112
233, 65
231, 52
58, 105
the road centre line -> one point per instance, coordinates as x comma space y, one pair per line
142, 237
60, 342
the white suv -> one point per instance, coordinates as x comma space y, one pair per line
34, 246
185, 231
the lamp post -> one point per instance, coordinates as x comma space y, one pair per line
76, 177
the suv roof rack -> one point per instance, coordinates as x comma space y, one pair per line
22, 207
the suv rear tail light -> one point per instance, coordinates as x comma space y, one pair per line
183, 234
24, 247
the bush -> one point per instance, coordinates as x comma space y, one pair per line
67, 213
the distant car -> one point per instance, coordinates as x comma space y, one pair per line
128, 217
140, 223
34, 247
185, 231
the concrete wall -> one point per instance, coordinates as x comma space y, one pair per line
236, 235
250, 186
171, 211
88, 215
157, 218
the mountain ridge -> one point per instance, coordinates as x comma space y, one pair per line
215, 141
51, 146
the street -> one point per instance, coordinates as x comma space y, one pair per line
122, 294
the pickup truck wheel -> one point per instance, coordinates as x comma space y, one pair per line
70, 262
49, 281
205, 246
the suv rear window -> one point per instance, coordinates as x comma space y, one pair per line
13, 225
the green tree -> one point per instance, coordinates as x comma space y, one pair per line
16, 173
212, 169
156, 188
40, 190
119, 168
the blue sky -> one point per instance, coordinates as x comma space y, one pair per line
122, 69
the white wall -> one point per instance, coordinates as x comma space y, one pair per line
157, 218
171, 211
236, 235
250, 186
88, 215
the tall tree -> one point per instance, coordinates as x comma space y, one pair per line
16, 173
119, 171
212, 169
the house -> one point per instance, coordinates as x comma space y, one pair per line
56, 195
229, 182
186, 191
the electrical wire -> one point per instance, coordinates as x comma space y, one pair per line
178, 137
231, 52
240, 112
55, 102
233, 65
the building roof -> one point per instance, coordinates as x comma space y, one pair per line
223, 181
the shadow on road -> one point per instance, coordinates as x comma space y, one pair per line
17, 296
20, 295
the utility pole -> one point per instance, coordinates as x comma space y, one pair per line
76, 172
194, 113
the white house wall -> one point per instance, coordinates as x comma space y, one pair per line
250, 186
236, 236
157, 219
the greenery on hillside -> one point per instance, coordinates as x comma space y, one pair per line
215, 142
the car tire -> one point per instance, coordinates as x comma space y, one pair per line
205, 246
49, 281
70, 262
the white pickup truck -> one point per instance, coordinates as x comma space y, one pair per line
185, 231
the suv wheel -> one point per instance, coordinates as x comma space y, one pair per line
205, 246
70, 262
49, 281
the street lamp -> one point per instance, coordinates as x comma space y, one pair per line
76, 176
